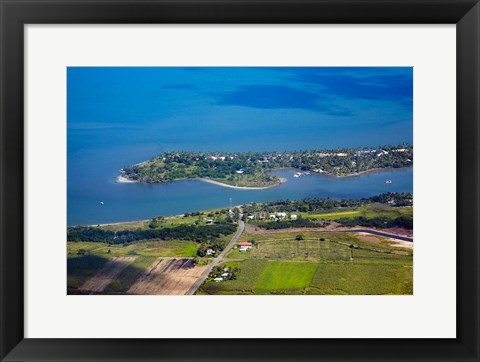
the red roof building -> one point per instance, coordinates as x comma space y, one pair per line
245, 243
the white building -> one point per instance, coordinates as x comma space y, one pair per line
293, 217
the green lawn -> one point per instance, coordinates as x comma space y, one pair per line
279, 276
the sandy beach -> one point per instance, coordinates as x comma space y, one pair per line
282, 180
373, 170
124, 180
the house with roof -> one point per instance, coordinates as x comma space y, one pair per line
244, 246
210, 252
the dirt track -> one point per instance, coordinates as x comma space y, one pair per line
253, 229
105, 275
168, 276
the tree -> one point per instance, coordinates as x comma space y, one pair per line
299, 237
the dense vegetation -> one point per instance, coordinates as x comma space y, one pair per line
382, 211
321, 204
378, 222
251, 168
197, 233
286, 224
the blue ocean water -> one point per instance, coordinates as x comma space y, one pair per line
121, 116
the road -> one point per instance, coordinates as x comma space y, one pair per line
379, 233
218, 259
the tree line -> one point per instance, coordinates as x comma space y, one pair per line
321, 204
200, 233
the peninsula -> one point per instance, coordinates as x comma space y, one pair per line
251, 169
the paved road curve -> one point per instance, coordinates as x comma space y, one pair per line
218, 259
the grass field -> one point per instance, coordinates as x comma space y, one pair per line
321, 263
170, 221
362, 279
154, 248
282, 276
369, 211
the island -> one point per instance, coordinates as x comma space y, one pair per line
252, 169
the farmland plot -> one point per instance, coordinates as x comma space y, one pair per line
104, 276
168, 276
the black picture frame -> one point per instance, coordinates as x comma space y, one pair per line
17, 13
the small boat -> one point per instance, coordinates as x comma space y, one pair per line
102, 203
388, 181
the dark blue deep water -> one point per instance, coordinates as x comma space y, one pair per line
120, 116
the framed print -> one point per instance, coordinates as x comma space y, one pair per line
229, 180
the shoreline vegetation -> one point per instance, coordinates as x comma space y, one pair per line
122, 179
297, 247
251, 170
308, 212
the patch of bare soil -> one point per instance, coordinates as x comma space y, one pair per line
400, 243
168, 276
369, 238
105, 275
254, 229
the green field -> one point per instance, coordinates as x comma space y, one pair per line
321, 263
362, 279
368, 211
154, 248
171, 221
281, 276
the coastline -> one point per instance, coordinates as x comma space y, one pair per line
124, 180
373, 170
282, 180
